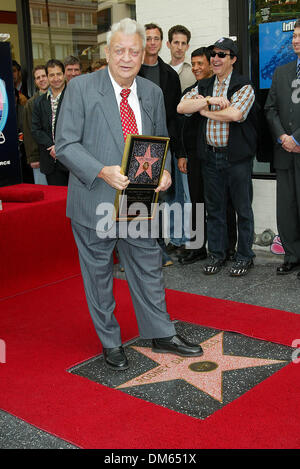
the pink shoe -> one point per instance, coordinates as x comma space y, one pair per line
276, 247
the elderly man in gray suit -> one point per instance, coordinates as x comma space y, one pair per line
283, 115
90, 142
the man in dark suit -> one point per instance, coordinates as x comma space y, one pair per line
163, 75
31, 146
283, 115
90, 142
44, 117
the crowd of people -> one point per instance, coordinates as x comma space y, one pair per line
74, 133
38, 164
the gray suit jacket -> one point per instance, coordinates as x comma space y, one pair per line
89, 136
283, 112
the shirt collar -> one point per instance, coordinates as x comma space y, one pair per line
225, 81
118, 88
50, 94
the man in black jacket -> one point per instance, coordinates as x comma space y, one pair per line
44, 117
227, 138
190, 163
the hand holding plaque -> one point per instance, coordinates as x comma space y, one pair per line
143, 163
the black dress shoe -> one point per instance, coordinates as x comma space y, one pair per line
115, 358
172, 249
192, 255
176, 345
286, 268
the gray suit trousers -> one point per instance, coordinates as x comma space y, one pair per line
142, 261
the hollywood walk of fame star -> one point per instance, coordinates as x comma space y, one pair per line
205, 372
145, 163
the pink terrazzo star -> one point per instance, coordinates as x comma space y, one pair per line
205, 372
146, 163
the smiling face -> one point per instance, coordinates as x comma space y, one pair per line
153, 42
296, 41
201, 67
222, 67
41, 79
56, 78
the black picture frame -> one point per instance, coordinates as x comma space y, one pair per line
138, 201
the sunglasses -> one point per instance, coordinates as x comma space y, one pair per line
221, 55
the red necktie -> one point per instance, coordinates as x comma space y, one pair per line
129, 125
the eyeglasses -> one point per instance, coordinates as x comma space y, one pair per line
221, 55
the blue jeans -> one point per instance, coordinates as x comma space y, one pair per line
181, 195
39, 178
220, 177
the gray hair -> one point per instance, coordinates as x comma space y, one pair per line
127, 26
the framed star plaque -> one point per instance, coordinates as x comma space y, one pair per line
143, 162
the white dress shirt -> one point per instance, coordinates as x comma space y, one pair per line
133, 101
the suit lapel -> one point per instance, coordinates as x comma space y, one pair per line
111, 110
292, 72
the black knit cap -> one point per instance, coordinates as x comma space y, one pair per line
225, 43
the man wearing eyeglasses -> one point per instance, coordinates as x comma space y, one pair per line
227, 145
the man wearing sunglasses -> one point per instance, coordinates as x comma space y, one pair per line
227, 138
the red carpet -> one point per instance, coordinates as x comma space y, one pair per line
37, 245
48, 330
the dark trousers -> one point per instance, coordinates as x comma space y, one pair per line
220, 179
288, 210
196, 187
58, 177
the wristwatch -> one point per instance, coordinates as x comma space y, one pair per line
207, 100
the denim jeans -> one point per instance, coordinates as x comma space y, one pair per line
39, 178
181, 195
220, 177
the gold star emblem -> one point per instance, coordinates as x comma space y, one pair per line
145, 163
205, 372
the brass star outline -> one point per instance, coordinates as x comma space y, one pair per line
171, 367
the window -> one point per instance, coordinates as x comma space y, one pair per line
63, 18
87, 19
61, 51
36, 16
78, 19
53, 18
104, 20
37, 51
